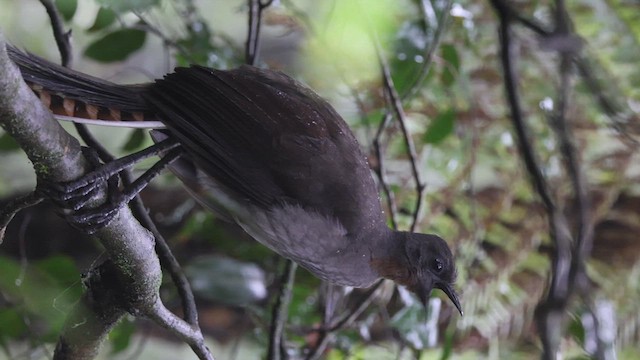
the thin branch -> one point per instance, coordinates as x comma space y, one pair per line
13, 207
61, 36
186, 332
568, 260
584, 233
396, 105
167, 259
606, 103
513, 98
280, 312
252, 45
380, 170
363, 303
167, 41
253, 30
550, 312
342, 321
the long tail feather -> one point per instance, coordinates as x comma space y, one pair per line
79, 97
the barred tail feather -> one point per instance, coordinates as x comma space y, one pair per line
78, 97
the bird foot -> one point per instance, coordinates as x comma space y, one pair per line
73, 196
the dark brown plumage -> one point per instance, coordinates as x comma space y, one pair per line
268, 153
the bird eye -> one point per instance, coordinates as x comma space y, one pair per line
437, 266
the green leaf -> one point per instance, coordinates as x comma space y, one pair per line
61, 268
41, 290
135, 141
11, 324
576, 329
67, 8
409, 51
116, 46
122, 6
104, 18
440, 127
120, 336
8, 143
451, 65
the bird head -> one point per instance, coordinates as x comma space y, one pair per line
430, 264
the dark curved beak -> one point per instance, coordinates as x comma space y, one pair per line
425, 290
448, 289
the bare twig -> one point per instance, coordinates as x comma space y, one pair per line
380, 170
186, 332
61, 36
550, 312
14, 206
614, 110
342, 321
168, 261
411, 91
398, 110
280, 311
252, 45
167, 41
584, 233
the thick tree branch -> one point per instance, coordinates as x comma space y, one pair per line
57, 157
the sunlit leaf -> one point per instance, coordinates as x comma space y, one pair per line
116, 46
347, 28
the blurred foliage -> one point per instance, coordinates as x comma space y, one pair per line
443, 58
116, 46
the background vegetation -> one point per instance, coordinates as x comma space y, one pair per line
448, 159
